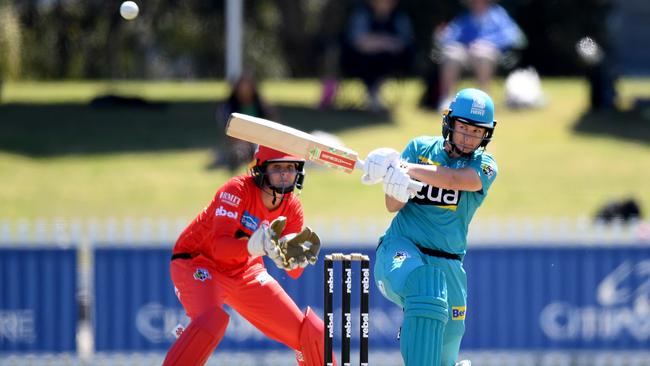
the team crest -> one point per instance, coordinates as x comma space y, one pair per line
202, 274
488, 170
478, 107
178, 331
400, 256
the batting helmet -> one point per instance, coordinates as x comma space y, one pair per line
265, 156
471, 106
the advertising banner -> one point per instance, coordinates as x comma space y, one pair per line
518, 298
38, 306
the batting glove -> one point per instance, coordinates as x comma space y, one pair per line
377, 163
396, 184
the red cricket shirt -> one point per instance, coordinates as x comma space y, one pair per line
219, 234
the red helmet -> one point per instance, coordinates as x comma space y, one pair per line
264, 156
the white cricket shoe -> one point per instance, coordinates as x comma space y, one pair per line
464, 363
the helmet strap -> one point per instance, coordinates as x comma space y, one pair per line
273, 192
458, 151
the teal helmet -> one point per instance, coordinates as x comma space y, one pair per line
471, 106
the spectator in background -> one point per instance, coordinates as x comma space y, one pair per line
476, 38
329, 44
244, 98
377, 43
625, 210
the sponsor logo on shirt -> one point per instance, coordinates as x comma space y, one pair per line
220, 211
249, 221
229, 199
434, 196
458, 313
488, 170
425, 160
443, 198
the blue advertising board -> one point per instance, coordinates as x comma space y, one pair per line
38, 307
550, 297
134, 303
519, 298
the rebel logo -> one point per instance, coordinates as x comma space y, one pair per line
220, 211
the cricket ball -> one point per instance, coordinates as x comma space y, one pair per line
129, 10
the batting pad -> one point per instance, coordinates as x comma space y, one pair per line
199, 340
425, 316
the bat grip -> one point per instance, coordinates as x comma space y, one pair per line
414, 185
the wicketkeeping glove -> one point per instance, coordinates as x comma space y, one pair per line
396, 184
264, 241
299, 250
377, 163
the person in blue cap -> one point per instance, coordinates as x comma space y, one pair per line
419, 263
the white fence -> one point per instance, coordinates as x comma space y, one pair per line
510, 231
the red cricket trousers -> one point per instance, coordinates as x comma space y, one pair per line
254, 294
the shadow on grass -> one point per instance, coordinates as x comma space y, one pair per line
633, 125
40, 130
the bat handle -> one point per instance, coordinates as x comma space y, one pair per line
414, 185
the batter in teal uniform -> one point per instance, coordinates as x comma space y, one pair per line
419, 263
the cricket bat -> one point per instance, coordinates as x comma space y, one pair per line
293, 141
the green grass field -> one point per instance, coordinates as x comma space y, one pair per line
62, 157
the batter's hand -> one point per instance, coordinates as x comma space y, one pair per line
396, 184
300, 250
377, 163
264, 240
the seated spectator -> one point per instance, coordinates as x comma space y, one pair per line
329, 46
244, 98
377, 43
475, 39
625, 210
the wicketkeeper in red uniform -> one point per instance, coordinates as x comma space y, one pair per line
218, 260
